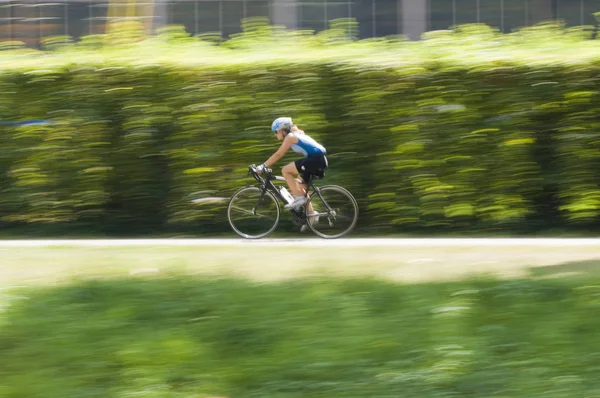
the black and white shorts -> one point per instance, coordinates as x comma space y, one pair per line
310, 165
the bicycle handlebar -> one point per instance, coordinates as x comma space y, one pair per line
267, 172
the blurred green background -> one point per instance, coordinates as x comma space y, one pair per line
468, 130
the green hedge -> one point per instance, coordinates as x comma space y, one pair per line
467, 130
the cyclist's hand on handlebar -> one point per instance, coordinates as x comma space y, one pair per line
261, 168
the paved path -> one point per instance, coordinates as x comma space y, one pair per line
315, 242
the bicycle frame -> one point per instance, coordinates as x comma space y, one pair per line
266, 184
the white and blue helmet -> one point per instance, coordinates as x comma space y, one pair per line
285, 122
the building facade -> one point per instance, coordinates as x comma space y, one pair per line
30, 20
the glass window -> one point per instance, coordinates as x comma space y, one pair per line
5, 21
467, 11
386, 17
377, 18
52, 19
441, 14
233, 13
208, 19
317, 14
78, 19
311, 15
570, 11
257, 8
363, 12
515, 15
183, 13
338, 9
589, 8
98, 14
26, 24
490, 13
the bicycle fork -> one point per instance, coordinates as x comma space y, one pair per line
260, 198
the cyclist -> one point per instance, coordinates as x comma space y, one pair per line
285, 130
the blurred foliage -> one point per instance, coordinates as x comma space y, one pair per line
180, 337
467, 129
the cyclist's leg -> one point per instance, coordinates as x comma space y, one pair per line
310, 213
317, 166
290, 172
304, 187
311, 166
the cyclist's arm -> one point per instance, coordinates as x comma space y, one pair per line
285, 145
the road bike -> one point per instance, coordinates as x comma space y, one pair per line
254, 211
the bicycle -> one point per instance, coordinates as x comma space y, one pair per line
335, 211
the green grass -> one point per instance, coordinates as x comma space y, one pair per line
258, 321
198, 337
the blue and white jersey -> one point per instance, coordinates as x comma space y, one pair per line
307, 146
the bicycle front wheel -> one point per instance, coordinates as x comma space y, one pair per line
252, 213
332, 212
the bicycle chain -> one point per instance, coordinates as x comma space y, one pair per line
298, 217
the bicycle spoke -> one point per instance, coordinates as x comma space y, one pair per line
252, 213
333, 210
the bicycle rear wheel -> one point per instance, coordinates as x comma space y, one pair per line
252, 213
334, 212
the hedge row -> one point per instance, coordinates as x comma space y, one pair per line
465, 130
